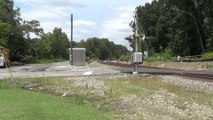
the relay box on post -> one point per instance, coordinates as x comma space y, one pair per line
137, 57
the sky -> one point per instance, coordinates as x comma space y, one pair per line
92, 18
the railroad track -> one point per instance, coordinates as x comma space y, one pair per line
200, 76
116, 64
162, 71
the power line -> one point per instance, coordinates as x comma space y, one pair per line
37, 5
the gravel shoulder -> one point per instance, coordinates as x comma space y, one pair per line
124, 96
56, 69
129, 97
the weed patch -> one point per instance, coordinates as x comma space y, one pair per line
19, 104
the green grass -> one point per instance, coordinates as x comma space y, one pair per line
140, 85
19, 104
83, 100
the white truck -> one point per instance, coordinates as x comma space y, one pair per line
4, 57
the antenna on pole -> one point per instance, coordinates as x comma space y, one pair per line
71, 39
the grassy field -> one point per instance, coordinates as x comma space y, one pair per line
117, 97
19, 104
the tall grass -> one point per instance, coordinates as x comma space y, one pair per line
19, 104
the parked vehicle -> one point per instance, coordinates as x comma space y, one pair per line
4, 57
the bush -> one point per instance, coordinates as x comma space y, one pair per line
165, 56
191, 59
207, 56
125, 58
121, 58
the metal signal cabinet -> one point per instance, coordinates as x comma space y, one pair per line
4, 56
79, 56
137, 57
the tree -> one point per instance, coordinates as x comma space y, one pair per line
194, 8
32, 26
52, 45
42, 48
208, 23
6, 20
184, 26
147, 19
4, 34
102, 48
15, 33
6, 11
15, 40
59, 43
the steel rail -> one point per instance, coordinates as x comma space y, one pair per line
184, 73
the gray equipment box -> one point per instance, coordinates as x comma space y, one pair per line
137, 57
79, 56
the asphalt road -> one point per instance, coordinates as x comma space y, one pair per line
54, 69
64, 69
149, 70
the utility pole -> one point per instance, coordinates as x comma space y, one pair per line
136, 64
71, 39
136, 56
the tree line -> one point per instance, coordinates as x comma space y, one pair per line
15, 34
182, 27
102, 48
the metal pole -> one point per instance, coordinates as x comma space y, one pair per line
136, 41
136, 30
136, 45
71, 39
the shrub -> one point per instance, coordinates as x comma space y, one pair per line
165, 56
207, 56
121, 58
125, 58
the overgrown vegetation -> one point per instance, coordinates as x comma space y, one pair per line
183, 26
102, 49
168, 56
165, 56
125, 97
16, 36
19, 104
207, 56
125, 58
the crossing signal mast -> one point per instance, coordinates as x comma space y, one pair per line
136, 56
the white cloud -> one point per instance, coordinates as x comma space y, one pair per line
85, 31
55, 3
124, 8
98, 18
39, 15
114, 26
150, 1
49, 26
118, 27
84, 23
